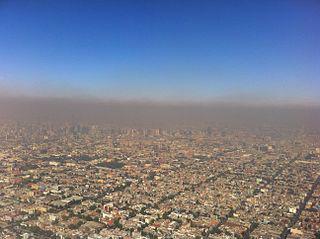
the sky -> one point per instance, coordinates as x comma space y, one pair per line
259, 51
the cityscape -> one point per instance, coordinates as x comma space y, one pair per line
157, 119
90, 181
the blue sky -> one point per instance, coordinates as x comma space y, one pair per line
162, 50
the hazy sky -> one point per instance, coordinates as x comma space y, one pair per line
161, 50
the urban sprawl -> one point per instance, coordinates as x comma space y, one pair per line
89, 181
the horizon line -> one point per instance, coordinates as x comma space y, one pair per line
222, 101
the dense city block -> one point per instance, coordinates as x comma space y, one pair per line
90, 181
